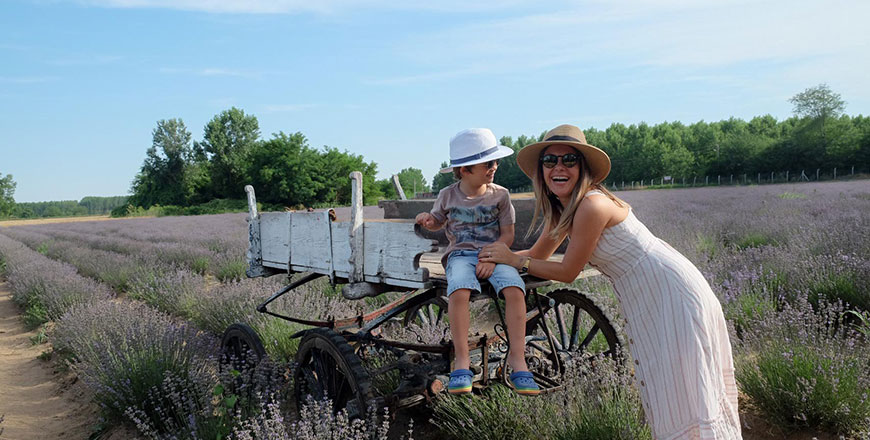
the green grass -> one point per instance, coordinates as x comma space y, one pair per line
749, 307
754, 240
231, 271
790, 196
275, 334
839, 286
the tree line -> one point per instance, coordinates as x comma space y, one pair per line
58, 208
287, 171
818, 135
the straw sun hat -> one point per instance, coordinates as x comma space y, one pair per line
597, 160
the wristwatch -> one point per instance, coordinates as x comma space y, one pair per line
525, 268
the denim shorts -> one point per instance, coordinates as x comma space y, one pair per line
461, 265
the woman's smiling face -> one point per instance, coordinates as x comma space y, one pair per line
561, 179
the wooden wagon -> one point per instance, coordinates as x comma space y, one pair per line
349, 361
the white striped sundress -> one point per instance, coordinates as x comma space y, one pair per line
676, 334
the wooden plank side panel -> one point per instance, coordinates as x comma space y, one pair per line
341, 249
391, 250
275, 238
310, 248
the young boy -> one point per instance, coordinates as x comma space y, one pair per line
476, 213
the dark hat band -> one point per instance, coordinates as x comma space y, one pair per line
562, 138
466, 159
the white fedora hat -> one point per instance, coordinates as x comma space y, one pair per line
474, 146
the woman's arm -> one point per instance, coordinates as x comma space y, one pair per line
589, 221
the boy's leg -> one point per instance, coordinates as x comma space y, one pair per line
461, 280
515, 315
508, 282
457, 311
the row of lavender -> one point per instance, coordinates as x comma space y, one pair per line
134, 267
780, 257
150, 367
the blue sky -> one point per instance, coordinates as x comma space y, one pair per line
83, 83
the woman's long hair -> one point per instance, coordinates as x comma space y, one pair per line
559, 219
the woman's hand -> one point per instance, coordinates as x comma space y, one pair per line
498, 252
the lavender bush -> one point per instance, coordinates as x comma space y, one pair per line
207, 404
317, 421
123, 350
595, 402
805, 368
44, 287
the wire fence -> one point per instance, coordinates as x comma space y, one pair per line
771, 177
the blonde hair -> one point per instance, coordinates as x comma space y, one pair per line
559, 219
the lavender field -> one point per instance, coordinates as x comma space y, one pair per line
138, 307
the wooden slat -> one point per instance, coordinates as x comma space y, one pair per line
432, 261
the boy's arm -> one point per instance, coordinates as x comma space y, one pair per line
437, 217
429, 221
506, 234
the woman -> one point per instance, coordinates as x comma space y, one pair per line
675, 326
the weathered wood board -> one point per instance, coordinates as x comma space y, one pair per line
310, 242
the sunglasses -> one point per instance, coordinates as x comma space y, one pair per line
490, 164
568, 160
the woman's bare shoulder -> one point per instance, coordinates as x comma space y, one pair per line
600, 205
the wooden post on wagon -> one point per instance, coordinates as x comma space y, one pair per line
357, 250
398, 187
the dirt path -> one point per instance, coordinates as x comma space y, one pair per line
37, 402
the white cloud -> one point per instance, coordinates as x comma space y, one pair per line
672, 34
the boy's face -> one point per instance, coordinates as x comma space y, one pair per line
480, 174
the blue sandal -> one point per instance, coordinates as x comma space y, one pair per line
460, 382
524, 383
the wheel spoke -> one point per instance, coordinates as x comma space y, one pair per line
575, 322
544, 322
422, 316
237, 348
560, 322
540, 348
592, 332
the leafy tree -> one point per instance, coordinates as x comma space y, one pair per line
227, 140
442, 180
162, 180
818, 103
283, 170
332, 177
386, 188
509, 174
412, 181
7, 190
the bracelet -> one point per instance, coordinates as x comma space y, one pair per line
525, 268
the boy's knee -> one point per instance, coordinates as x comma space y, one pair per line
513, 293
459, 295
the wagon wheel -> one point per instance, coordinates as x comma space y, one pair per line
328, 368
241, 347
580, 330
431, 313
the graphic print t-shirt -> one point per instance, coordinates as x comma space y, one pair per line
473, 222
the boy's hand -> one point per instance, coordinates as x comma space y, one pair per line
427, 221
484, 270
